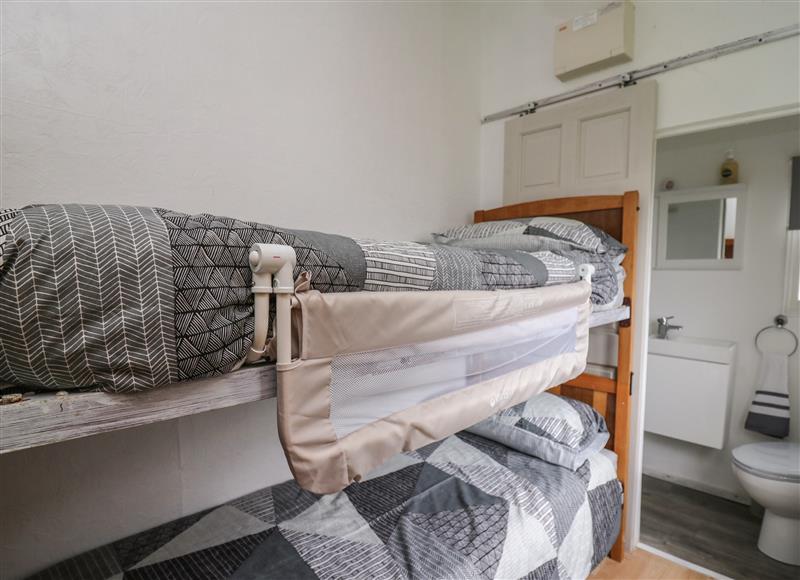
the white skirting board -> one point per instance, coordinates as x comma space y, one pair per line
42, 419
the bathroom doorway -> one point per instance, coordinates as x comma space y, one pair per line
720, 275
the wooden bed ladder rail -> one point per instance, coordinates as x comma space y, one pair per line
622, 412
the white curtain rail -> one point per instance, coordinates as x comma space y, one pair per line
625, 79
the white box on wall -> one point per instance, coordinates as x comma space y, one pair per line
594, 40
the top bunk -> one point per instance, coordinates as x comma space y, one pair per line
50, 417
37, 419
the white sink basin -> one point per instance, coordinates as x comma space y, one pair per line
689, 347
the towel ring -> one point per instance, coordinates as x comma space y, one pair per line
780, 324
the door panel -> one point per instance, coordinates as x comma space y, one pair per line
541, 158
603, 147
599, 144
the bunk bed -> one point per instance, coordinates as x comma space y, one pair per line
45, 418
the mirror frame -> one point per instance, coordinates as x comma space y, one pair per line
664, 198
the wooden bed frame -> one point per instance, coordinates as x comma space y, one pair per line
618, 216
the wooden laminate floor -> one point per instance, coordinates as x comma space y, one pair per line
708, 531
642, 565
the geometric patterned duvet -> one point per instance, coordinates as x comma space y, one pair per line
465, 507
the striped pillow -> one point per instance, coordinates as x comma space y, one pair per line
578, 233
483, 230
528, 235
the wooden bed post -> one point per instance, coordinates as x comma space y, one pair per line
618, 215
630, 222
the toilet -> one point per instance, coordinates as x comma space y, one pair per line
770, 473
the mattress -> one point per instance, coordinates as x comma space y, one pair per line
130, 298
465, 507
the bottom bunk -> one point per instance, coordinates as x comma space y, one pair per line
465, 507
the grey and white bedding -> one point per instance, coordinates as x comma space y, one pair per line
465, 507
128, 298
574, 241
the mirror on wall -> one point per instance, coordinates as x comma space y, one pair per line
701, 228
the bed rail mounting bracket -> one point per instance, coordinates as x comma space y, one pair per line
273, 273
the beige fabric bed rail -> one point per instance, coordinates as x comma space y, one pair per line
373, 374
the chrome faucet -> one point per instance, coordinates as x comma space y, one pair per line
664, 326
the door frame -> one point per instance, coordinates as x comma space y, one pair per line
646, 222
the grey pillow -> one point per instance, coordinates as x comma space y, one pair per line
613, 246
531, 235
510, 241
567, 230
555, 429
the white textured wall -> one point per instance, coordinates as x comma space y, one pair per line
517, 63
730, 304
352, 118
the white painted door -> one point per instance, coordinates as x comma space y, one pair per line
601, 144
598, 145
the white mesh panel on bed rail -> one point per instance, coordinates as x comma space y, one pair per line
380, 373
367, 386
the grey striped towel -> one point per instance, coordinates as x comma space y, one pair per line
769, 411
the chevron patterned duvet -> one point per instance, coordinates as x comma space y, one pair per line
465, 507
129, 298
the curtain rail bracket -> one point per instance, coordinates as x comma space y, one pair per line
531, 109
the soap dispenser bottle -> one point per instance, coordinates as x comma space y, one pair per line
729, 172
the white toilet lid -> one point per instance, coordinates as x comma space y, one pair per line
779, 459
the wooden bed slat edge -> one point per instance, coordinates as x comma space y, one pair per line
43, 419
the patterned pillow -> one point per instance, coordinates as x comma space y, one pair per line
555, 429
573, 231
513, 241
530, 234
482, 230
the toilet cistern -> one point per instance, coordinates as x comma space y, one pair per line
664, 326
